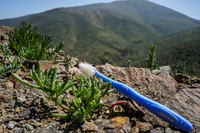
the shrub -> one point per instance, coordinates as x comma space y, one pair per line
26, 42
151, 61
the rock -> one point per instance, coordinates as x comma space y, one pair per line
89, 127
74, 71
9, 84
132, 109
164, 70
155, 131
135, 130
61, 53
181, 78
44, 65
195, 80
22, 122
74, 62
144, 126
48, 129
18, 85
5, 98
54, 123
168, 130
21, 99
186, 103
29, 127
11, 124
117, 124
142, 80
19, 130
25, 114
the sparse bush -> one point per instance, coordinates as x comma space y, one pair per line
28, 44
129, 63
151, 61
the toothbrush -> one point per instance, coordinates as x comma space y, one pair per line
156, 108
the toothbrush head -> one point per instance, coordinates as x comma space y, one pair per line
87, 69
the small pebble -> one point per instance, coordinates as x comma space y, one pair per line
22, 122
21, 98
9, 109
11, 124
168, 130
155, 131
20, 130
33, 121
29, 127
12, 103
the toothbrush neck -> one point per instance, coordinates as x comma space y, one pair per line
104, 78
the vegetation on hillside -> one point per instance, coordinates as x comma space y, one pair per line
187, 54
114, 32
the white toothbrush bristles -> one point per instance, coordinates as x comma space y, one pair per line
87, 69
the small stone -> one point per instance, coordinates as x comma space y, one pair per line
18, 85
9, 109
5, 98
21, 98
44, 65
116, 124
163, 70
54, 123
20, 130
135, 130
48, 129
144, 126
12, 103
17, 110
33, 121
29, 127
89, 127
25, 113
11, 124
181, 78
155, 131
22, 122
168, 130
9, 84
44, 121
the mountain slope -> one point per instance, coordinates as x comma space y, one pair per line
187, 53
162, 19
174, 50
113, 32
104, 35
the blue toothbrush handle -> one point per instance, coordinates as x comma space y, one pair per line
156, 108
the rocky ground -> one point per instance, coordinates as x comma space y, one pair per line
23, 109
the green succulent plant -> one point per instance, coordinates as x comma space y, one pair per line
86, 96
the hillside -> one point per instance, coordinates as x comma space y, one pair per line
172, 50
162, 19
187, 53
104, 35
113, 32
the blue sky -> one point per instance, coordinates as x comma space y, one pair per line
17, 8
